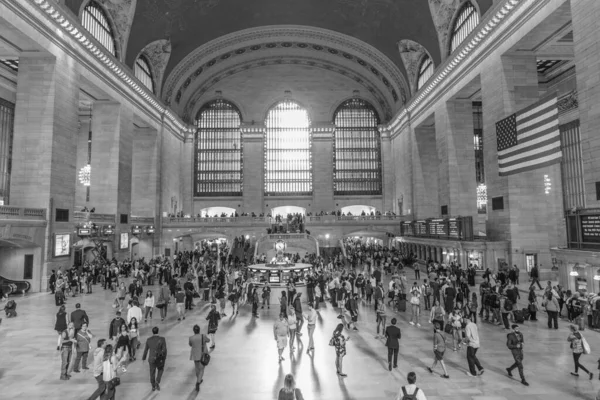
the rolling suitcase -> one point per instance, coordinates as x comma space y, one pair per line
402, 305
518, 314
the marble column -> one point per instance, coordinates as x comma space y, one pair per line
322, 166
145, 184
253, 138
425, 174
187, 175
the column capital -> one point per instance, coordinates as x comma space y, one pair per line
322, 130
252, 131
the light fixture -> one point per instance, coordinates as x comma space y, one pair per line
85, 174
574, 273
547, 184
327, 236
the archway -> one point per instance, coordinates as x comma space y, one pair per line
285, 210
358, 210
217, 212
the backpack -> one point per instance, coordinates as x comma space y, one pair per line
508, 305
429, 290
159, 356
406, 396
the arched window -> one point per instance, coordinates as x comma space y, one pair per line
425, 71
467, 20
95, 21
143, 72
357, 149
287, 151
218, 164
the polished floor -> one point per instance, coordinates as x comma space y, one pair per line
244, 364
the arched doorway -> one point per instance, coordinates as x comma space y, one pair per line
285, 210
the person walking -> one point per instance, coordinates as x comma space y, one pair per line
411, 389
213, 318
298, 311
393, 335
415, 302
180, 303
115, 326
437, 314
577, 345
266, 296
292, 322
311, 323
97, 368
339, 342
66, 343
281, 332
156, 349
439, 348
79, 317
381, 317
109, 373
289, 390
198, 343
164, 297
148, 305
283, 303
552, 307
134, 312
472, 339
83, 337
535, 277
514, 341
60, 324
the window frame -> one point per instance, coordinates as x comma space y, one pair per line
463, 18
378, 171
143, 65
109, 34
199, 151
429, 69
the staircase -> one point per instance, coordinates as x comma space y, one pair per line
295, 243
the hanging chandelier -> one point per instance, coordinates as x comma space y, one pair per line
85, 175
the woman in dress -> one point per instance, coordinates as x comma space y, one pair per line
289, 390
339, 342
134, 338
148, 305
60, 324
234, 298
213, 323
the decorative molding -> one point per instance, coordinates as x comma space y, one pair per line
568, 102
191, 106
442, 12
121, 12
412, 53
86, 44
270, 37
158, 54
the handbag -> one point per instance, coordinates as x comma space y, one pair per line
585, 345
205, 359
448, 328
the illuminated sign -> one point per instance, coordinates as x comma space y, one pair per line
124, 241
62, 244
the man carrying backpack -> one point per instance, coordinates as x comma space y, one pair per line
411, 391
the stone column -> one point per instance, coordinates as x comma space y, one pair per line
112, 158
457, 184
530, 219
425, 174
388, 174
253, 138
145, 184
45, 133
322, 166
187, 176
584, 16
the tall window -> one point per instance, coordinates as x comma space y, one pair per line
467, 20
425, 71
143, 72
287, 151
479, 166
95, 21
357, 149
218, 159
573, 184
7, 120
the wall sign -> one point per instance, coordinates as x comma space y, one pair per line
124, 241
62, 244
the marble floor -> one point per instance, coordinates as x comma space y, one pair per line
244, 364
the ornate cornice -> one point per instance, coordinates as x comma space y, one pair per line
192, 106
270, 37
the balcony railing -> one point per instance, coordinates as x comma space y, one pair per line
142, 220
214, 220
10, 212
80, 216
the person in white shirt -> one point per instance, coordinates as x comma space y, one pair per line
472, 339
311, 322
148, 306
134, 312
415, 301
411, 388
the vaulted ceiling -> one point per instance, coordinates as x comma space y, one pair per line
191, 24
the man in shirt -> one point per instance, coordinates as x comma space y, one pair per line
179, 303
311, 322
514, 341
198, 346
134, 312
392, 334
157, 347
98, 370
472, 339
281, 332
411, 388
79, 317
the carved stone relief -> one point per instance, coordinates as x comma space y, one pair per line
442, 12
411, 53
121, 13
158, 54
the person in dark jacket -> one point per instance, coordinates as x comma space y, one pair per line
79, 317
298, 309
156, 348
514, 341
535, 277
392, 334
115, 326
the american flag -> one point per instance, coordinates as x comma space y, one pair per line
529, 139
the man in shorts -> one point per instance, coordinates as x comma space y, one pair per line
439, 347
281, 333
